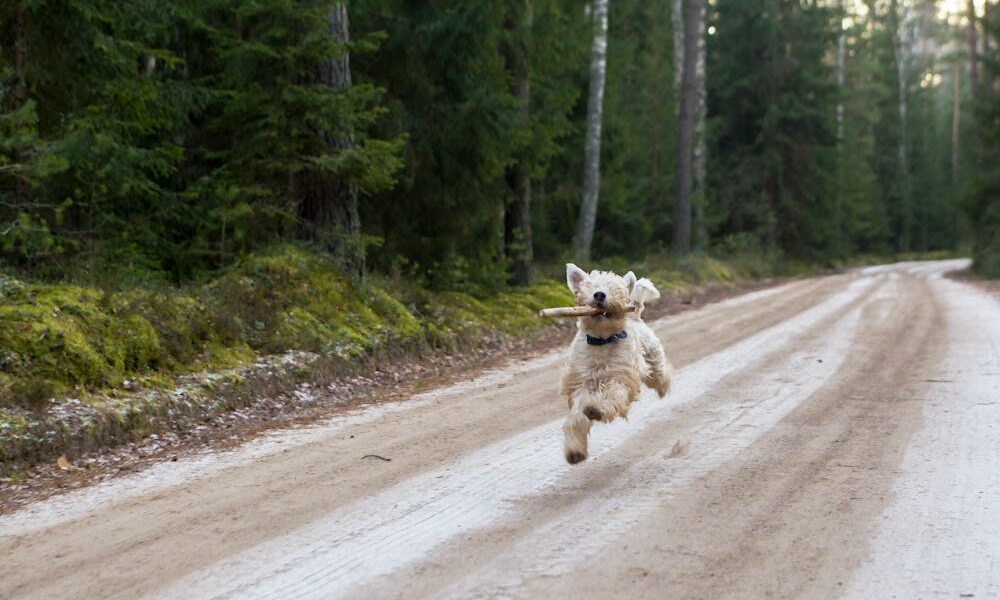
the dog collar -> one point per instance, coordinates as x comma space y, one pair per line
599, 341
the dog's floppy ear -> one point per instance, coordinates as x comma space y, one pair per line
574, 277
629, 281
645, 291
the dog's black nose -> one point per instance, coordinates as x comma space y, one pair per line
600, 296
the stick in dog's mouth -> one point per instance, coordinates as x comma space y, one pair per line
579, 311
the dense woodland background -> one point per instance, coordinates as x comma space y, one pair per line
447, 141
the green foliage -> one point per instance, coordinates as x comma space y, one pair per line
293, 299
864, 224
983, 198
772, 95
60, 335
174, 139
638, 140
449, 88
190, 131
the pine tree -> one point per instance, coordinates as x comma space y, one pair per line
772, 94
81, 97
983, 198
283, 128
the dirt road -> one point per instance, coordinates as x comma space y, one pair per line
836, 437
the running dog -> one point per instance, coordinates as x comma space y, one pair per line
613, 354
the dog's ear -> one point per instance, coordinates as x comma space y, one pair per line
645, 291
574, 277
629, 281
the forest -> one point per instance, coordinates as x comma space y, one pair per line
460, 143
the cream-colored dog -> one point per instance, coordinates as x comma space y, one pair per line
612, 355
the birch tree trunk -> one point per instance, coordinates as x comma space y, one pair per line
927, 108
592, 149
700, 234
685, 129
902, 58
973, 49
956, 118
329, 206
839, 200
986, 39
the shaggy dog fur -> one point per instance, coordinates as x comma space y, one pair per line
601, 381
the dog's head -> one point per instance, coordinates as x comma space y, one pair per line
601, 289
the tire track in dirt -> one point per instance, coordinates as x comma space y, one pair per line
788, 519
387, 531
941, 534
571, 524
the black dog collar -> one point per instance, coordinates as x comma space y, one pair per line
598, 341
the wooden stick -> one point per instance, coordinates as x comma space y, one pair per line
576, 311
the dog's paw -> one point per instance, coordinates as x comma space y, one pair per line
660, 385
575, 456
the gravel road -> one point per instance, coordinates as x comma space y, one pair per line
833, 437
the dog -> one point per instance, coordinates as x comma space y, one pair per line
612, 356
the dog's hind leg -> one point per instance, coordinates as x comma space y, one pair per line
575, 432
616, 401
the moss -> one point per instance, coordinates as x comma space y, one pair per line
217, 356
60, 337
57, 334
142, 344
183, 324
294, 299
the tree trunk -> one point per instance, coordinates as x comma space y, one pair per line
329, 207
677, 20
700, 233
839, 199
685, 129
996, 80
956, 117
973, 50
592, 149
19, 91
518, 246
986, 38
902, 46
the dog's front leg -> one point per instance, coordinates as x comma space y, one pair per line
660, 371
575, 432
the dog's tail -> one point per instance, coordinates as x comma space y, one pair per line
642, 292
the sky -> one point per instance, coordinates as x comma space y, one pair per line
953, 7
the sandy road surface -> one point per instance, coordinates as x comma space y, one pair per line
840, 437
